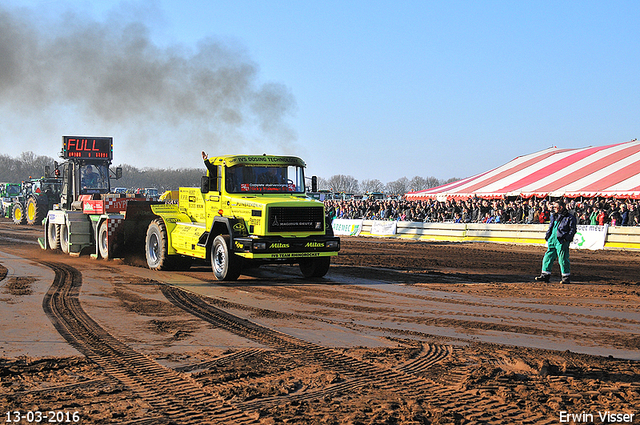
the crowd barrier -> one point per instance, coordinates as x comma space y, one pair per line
590, 237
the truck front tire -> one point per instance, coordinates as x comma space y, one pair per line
224, 263
315, 267
156, 246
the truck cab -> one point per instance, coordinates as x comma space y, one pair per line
249, 209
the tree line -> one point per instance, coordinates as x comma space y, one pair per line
28, 164
349, 184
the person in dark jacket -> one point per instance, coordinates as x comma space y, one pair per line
562, 229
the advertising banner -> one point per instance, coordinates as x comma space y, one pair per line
344, 227
590, 237
384, 228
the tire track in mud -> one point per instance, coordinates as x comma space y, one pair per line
547, 321
177, 397
432, 355
3, 272
404, 380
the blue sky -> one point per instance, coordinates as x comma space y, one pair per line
376, 90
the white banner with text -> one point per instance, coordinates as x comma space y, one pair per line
590, 237
384, 228
344, 227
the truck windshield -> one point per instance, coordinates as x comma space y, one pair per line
248, 179
94, 178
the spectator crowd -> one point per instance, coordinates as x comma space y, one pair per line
589, 211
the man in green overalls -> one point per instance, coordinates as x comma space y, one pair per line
560, 233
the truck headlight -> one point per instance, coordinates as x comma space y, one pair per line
332, 244
259, 246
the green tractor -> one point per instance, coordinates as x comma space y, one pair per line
8, 191
37, 196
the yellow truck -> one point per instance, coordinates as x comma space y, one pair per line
250, 209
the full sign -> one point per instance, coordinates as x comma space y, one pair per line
87, 147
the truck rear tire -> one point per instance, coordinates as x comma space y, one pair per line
156, 246
224, 263
53, 235
17, 214
315, 267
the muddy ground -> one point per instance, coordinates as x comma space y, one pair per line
397, 333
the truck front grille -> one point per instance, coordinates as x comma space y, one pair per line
296, 219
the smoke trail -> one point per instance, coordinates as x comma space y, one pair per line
110, 76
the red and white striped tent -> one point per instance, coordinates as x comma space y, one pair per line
610, 171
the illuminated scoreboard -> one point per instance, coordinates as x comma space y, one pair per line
87, 147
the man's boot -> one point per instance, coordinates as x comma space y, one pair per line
566, 279
544, 277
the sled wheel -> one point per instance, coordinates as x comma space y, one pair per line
315, 267
224, 263
64, 238
103, 243
53, 235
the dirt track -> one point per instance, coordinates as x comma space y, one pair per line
398, 332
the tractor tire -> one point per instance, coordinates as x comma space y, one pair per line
315, 267
64, 237
17, 214
224, 263
156, 246
35, 211
103, 246
53, 235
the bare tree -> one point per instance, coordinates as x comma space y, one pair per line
342, 183
420, 183
432, 182
374, 185
323, 184
417, 183
398, 187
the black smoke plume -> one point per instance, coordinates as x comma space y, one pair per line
74, 75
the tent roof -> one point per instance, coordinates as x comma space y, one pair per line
611, 171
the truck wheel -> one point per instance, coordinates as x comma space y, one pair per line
156, 246
64, 237
17, 214
225, 264
103, 246
315, 267
53, 235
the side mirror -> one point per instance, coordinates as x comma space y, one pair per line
118, 173
314, 183
204, 184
